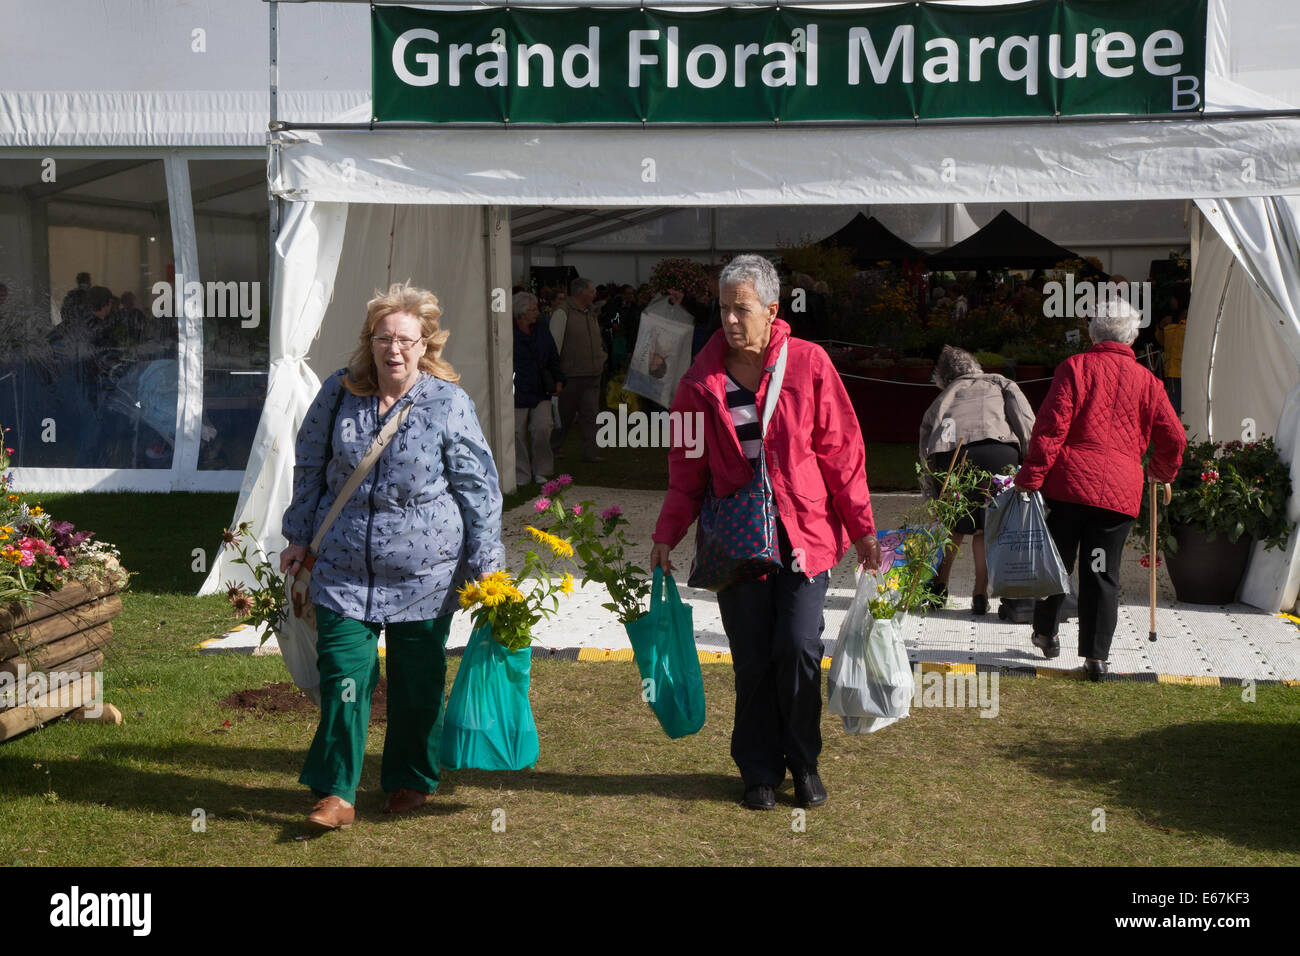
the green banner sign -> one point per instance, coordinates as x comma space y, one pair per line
910, 61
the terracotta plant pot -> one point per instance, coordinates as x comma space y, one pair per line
1204, 571
917, 373
1026, 372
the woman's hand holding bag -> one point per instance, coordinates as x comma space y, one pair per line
663, 644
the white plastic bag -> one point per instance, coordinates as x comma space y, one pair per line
870, 680
1022, 558
296, 635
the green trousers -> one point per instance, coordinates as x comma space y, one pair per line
348, 657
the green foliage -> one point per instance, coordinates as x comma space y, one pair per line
1231, 488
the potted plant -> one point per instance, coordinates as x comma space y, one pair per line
58, 595
991, 362
1226, 496
881, 368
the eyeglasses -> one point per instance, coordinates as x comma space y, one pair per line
386, 341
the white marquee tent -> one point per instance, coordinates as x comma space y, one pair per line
360, 207
1246, 350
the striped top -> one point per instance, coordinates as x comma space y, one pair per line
744, 416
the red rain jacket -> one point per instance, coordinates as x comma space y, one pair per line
1101, 412
813, 446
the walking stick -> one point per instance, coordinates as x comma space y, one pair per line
1151, 635
1151, 559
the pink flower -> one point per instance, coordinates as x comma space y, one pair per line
9, 451
551, 487
1210, 477
565, 480
577, 509
63, 562
28, 558
613, 511
541, 504
1145, 561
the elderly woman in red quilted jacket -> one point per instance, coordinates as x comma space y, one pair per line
1085, 455
817, 466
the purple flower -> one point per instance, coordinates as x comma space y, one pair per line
613, 511
541, 504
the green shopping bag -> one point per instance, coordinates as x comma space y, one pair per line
663, 643
489, 721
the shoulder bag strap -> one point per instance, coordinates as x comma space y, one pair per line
354, 480
774, 388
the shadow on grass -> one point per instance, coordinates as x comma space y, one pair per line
210, 776
716, 787
111, 778
1235, 780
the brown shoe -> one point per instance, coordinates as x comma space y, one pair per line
331, 813
404, 800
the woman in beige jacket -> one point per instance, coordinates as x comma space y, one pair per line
991, 419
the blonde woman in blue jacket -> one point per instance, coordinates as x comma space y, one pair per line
426, 519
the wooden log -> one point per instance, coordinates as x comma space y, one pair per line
45, 605
46, 707
108, 714
51, 656
56, 626
17, 685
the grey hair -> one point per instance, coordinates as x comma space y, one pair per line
522, 302
953, 363
578, 284
758, 272
1114, 320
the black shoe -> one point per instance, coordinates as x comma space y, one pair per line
1050, 646
759, 798
1095, 670
979, 604
808, 789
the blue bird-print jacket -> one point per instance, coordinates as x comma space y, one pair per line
427, 517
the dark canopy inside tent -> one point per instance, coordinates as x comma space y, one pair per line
870, 242
1005, 243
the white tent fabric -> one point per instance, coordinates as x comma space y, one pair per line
306, 260
330, 258
602, 167
1242, 353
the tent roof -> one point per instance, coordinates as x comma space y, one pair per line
1005, 242
871, 242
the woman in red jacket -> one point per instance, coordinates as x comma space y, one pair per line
1085, 454
817, 465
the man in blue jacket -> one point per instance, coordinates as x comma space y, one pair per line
537, 377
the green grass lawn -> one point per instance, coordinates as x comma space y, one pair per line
1185, 775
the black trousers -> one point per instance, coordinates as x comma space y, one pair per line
774, 627
1095, 538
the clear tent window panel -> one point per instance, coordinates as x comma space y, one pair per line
230, 219
88, 372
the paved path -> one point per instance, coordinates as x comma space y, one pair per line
1236, 642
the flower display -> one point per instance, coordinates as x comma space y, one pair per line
1235, 488
600, 548
679, 274
512, 611
39, 555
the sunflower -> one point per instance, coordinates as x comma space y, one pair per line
469, 595
494, 592
566, 583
